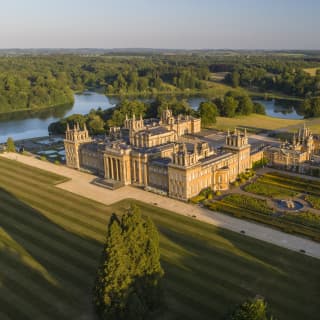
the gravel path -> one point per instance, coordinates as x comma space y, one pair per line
81, 183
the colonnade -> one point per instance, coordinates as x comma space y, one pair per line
113, 169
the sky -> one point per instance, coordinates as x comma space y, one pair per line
174, 24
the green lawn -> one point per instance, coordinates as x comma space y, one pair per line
285, 184
259, 122
268, 190
51, 240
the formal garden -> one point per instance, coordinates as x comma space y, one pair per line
283, 201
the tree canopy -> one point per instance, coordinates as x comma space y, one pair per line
128, 284
208, 112
254, 309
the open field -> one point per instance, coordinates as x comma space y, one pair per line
262, 122
51, 240
311, 71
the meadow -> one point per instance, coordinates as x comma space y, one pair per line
258, 122
51, 241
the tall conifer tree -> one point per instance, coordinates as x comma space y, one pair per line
128, 284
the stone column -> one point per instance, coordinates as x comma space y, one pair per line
124, 171
119, 170
112, 173
106, 168
109, 167
140, 171
145, 174
133, 178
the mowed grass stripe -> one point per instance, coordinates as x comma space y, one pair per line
33, 276
85, 203
178, 308
47, 205
25, 172
23, 310
197, 308
40, 299
207, 292
51, 194
201, 277
51, 244
34, 219
54, 257
66, 274
216, 238
42, 175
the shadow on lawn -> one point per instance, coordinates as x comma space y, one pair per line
50, 277
221, 275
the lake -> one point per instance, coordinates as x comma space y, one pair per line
31, 124
284, 109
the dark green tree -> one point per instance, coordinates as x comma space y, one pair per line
128, 284
245, 106
235, 79
208, 113
113, 280
230, 106
254, 309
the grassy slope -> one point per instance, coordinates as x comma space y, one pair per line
50, 243
257, 121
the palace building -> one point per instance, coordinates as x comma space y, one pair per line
299, 155
151, 153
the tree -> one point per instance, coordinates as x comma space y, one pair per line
245, 106
128, 284
230, 105
10, 145
96, 124
113, 280
254, 309
208, 113
235, 79
311, 107
259, 108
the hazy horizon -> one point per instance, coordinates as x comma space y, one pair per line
175, 24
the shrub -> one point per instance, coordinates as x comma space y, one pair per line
305, 218
268, 190
197, 199
314, 201
255, 309
247, 202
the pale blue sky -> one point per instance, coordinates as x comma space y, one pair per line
236, 24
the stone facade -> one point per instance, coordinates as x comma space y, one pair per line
296, 155
150, 153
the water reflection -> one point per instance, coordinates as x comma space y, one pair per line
34, 123
283, 109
